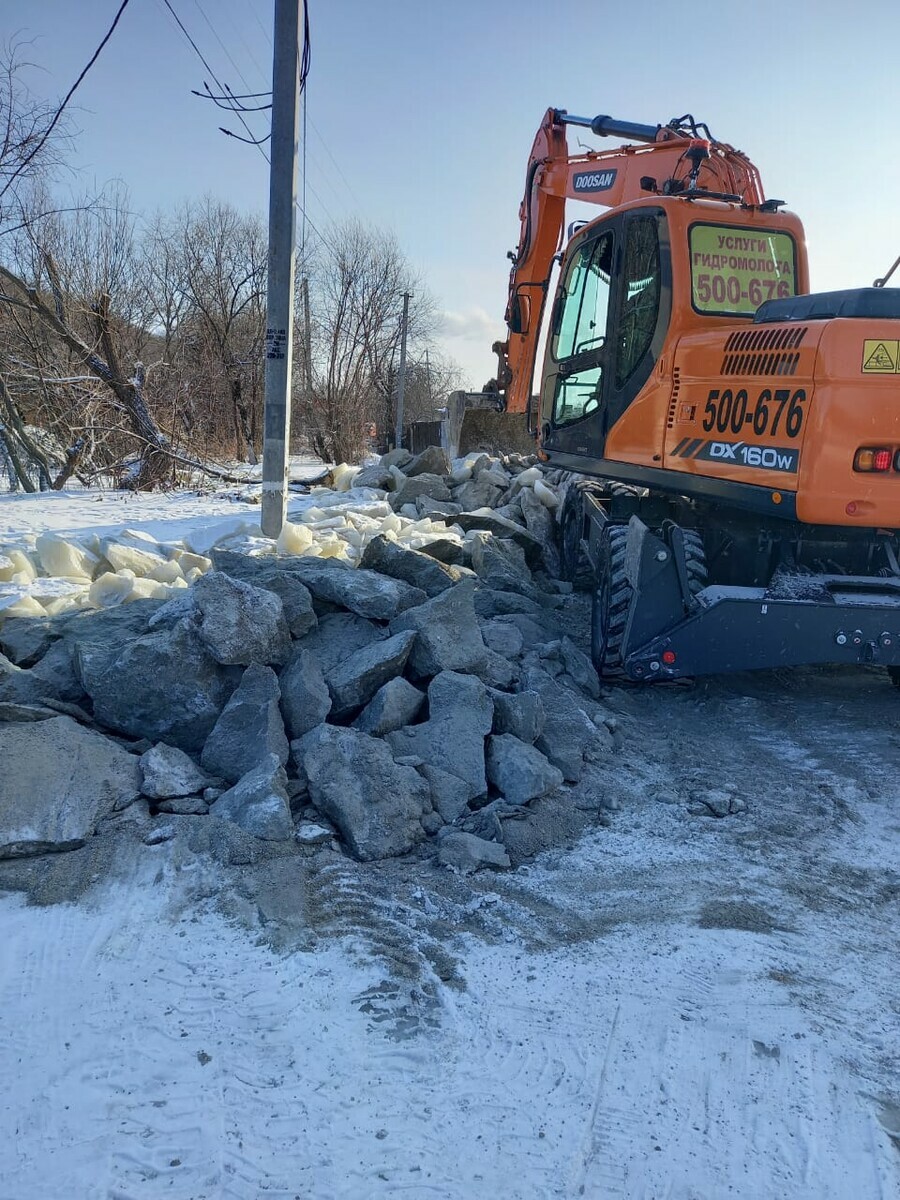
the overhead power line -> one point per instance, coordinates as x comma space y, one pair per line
59, 112
222, 88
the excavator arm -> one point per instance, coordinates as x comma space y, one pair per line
671, 159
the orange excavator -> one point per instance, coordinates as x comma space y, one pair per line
736, 438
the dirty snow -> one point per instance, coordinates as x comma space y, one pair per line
675, 1007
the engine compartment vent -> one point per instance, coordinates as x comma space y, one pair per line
763, 351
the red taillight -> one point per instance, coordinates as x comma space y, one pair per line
873, 458
668, 657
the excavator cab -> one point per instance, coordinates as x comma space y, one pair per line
607, 327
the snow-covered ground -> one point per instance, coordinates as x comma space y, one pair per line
674, 1008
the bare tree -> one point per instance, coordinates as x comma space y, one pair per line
358, 283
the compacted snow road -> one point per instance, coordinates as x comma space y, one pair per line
676, 1007
662, 1005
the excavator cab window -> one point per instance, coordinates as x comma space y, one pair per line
640, 296
579, 332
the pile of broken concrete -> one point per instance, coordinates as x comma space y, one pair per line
422, 694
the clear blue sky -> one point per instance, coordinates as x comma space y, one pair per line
428, 110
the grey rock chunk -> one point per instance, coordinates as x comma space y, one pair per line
305, 698
98, 638
502, 637
422, 485
56, 672
398, 457
467, 853
481, 492
436, 509
338, 635
521, 714
449, 793
501, 564
491, 603
460, 716
446, 550
238, 623
519, 770
449, 637
365, 593
259, 803
433, 461
541, 523
411, 566
168, 772
250, 729
497, 671
18, 685
501, 527
377, 804
568, 731
26, 639
580, 667
58, 781
375, 477
270, 573
184, 806
164, 686
355, 681
395, 704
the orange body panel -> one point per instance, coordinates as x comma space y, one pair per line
852, 409
780, 406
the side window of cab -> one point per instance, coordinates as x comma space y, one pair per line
580, 332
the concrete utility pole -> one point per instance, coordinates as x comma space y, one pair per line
401, 375
280, 295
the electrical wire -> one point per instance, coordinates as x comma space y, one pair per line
223, 90
59, 112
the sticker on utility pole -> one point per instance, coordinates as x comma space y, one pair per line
880, 358
276, 343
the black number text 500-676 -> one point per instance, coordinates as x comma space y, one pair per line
779, 411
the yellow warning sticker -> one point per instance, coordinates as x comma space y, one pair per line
880, 357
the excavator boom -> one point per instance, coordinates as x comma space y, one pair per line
671, 159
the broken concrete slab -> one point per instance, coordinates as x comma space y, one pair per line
58, 781
467, 853
26, 639
519, 713
164, 686
239, 623
413, 567
377, 804
568, 731
449, 637
460, 717
363, 592
519, 770
542, 525
249, 730
339, 634
167, 773
500, 564
355, 681
259, 803
394, 705
427, 484
266, 572
449, 793
305, 697
432, 460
